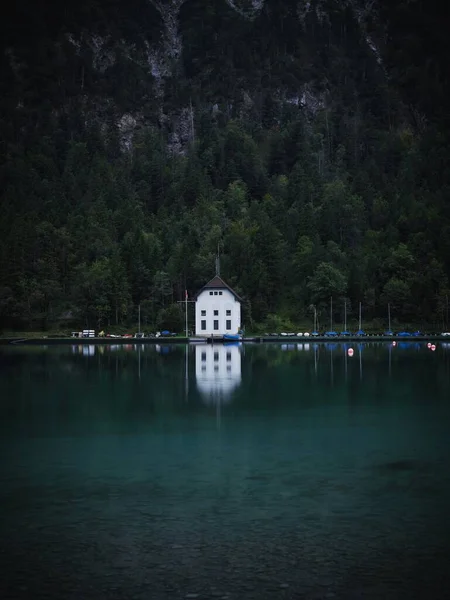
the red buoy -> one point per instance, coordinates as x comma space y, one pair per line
350, 351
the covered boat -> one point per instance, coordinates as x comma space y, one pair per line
232, 337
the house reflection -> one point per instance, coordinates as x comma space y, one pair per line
217, 371
85, 350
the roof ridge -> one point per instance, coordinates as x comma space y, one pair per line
218, 282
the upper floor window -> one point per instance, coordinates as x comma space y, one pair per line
215, 293
211, 293
203, 313
220, 293
216, 313
228, 313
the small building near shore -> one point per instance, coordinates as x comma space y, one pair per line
217, 309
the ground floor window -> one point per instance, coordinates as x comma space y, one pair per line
228, 324
216, 325
203, 325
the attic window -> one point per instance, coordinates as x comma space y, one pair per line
210, 293
215, 293
220, 293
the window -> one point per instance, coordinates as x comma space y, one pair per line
216, 368
215, 293
210, 293
228, 324
203, 367
220, 293
228, 313
203, 356
216, 356
216, 313
216, 326
204, 325
228, 356
228, 368
203, 313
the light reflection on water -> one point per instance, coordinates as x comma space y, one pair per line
247, 471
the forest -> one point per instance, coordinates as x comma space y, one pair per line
316, 163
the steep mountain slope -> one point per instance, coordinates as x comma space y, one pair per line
139, 136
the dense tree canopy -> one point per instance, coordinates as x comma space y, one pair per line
289, 145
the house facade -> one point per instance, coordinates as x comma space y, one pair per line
217, 309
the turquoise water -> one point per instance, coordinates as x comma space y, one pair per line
264, 471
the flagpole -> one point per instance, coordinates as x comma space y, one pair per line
139, 317
186, 302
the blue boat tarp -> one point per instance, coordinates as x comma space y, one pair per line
231, 337
345, 333
331, 333
360, 332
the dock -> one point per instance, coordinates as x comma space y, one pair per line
219, 340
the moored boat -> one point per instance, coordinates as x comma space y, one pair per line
232, 337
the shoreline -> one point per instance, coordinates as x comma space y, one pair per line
23, 341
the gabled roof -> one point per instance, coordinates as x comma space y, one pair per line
217, 283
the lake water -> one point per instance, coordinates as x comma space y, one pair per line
264, 471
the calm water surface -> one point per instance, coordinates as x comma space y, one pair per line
268, 471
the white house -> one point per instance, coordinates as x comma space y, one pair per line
217, 371
217, 309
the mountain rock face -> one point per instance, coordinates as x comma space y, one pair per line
295, 134
154, 46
